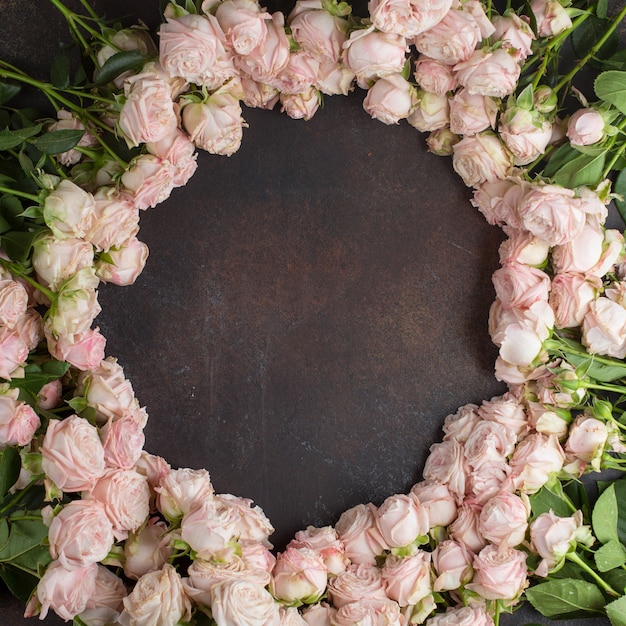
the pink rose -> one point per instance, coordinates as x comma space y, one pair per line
489, 442
149, 179
256, 556
359, 582
481, 158
81, 534
552, 537
319, 32
390, 99
432, 112
116, 219
534, 461
604, 328
523, 247
148, 113
243, 23
407, 579
182, 490
551, 16
453, 563
252, 524
180, 152
504, 520
515, 33
401, 520
464, 529
128, 263
409, 17
301, 72
585, 127
519, 286
326, 543
49, 396
488, 480
301, 106
334, 78
372, 611
582, 252
67, 121
106, 603
72, 455
66, 592
525, 134
13, 351
193, 47
506, 410
299, 576
570, 297
499, 574
551, 213
18, 421
460, 425
446, 464
13, 302
83, 350
587, 439
472, 113
434, 76
320, 614
452, 40
68, 210
126, 498
489, 73
243, 602
371, 54
55, 260
438, 502
158, 599
153, 467
258, 95
498, 201
462, 616
269, 58
148, 550
215, 125
360, 535
123, 440
612, 253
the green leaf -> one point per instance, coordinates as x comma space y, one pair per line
617, 579
8, 91
559, 158
610, 555
10, 465
616, 611
119, 63
35, 377
21, 584
13, 138
26, 543
545, 500
58, 141
601, 9
587, 34
604, 516
583, 170
566, 596
611, 87
10, 209
60, 71
18, 244
616, 61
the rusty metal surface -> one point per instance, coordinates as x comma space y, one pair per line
311, 310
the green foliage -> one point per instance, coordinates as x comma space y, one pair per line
58, 141
566, 596
60, 71
588, 34
10, 465
616, 611
37, 375
611, 87
119, 63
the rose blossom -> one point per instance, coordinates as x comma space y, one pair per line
515, 32
81, 534
604, 328
359, 582
158, 599
149, 179
128, 263
183, 490
570, 297
504, 520
126, 498
506, 410
252, 524
401, 520
13, 302
435, 498
334, 78
500, 574
551, 16
453, 563
365, 612
460, 425
489, 442
319, 32
587, 439
613, 251
68, 210
55, 260
72, 455
371, 54
390, 99
552, 537
534, 461
243, 23
123, 440
106, 603
498, 201
525, 133
258, 95
464, 529
481, 158
299, 575
488, 480
243, 603
321, 614
585, 127
471, 113
489, 73
407, 580
301, 106
461, 616
153, 467
446, 464
18, 421
66, 592
116, 219
180, 151
326, 543
49, 396
357, 529
407, 17
519, 286
434, 76
148, 550
193, 47
299, 74
14, 348
522, 247
432, 112
452, 40
582, 252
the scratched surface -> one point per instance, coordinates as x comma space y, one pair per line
311, 310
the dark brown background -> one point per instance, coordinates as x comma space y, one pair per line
311, 310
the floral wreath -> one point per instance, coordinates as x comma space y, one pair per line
103, 533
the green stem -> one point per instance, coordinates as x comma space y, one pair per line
618, 153
20, 273
573, 556
32, 572
15, 499
615, 23
21, 194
